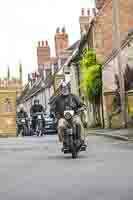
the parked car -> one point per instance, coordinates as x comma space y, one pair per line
50, 124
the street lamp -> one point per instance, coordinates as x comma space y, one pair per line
117, 45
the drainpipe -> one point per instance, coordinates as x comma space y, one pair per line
103, 122
78, 73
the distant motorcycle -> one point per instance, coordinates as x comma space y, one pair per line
39, 116
22, 129
72, 139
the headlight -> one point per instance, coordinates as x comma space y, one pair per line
39, 117
23, 120
68, 116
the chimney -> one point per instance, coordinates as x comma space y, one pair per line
61, 41
84, 21
99, 4
43, 55
82, 12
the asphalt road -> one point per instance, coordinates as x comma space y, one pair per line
35, 169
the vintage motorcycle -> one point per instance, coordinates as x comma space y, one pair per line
39, 131
72, 134
22, 128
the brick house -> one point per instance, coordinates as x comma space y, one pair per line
99, 35
103, 26
105, 45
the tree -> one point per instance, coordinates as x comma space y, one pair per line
8, 73
91, 82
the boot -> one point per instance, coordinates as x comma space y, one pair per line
83, 145
64, 148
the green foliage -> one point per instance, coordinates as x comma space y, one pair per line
91, 82
88, 59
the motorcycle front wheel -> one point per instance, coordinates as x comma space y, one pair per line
25, 131
40, 129
74, 153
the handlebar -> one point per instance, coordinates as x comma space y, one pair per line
26, 118
37, 113
82, 109
19, 119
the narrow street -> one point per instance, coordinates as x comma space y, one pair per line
35, 168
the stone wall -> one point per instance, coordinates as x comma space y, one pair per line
7, 112
116, 120
110, 69
130, 107
108, 108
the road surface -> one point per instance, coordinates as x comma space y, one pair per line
35, 169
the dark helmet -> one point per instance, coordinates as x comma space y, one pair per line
36, 101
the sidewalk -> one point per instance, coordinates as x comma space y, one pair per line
121, 134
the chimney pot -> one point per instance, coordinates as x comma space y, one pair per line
82, 12
38, 43
63, 30
94, 12
58, 30
43, 43
46, 42
88, 12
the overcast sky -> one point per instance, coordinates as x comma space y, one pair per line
24, 22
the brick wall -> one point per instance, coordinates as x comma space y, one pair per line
61, 42
103, 26
110, 68
43, 54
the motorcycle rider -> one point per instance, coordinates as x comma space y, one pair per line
61, 102
22, 114
37, 107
